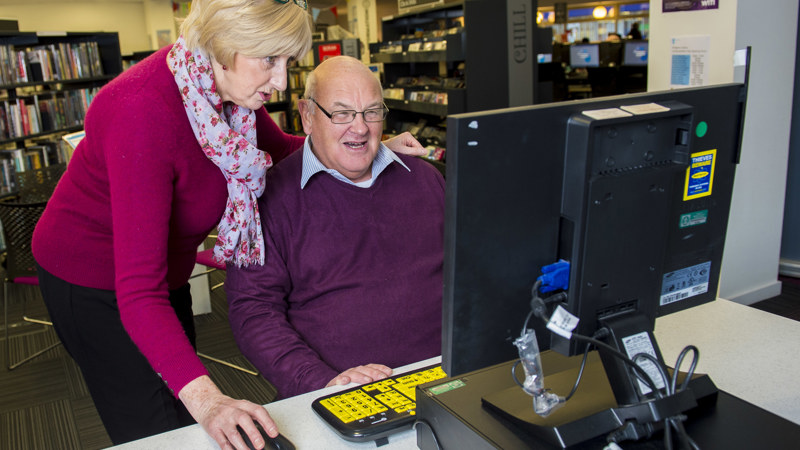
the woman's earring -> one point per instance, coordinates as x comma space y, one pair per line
224, 67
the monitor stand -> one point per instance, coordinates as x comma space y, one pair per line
593, 410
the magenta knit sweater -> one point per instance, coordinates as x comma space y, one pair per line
137, 199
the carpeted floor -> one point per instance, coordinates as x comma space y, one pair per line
788, 303
45, 404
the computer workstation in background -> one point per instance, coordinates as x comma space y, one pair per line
597, 69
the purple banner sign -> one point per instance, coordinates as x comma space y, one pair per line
688, 5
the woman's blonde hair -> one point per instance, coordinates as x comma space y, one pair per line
253, 28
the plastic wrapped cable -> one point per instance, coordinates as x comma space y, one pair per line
544, 401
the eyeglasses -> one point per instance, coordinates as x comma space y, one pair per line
348, 115
301, 3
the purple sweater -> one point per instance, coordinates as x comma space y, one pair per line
352, 275
137, 199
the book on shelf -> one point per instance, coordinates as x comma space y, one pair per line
32, 157
64, 150
74, 138
279, 117
50, 62
45, 112
8, 176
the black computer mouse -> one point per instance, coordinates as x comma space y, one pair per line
279, 442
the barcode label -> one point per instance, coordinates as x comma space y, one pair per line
667, 299
684, 283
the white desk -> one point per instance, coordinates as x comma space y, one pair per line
748, 353
296, 421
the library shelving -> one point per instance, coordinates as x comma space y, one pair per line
296, 89
130, 59
47, 81
298, 72
455, 58
423, 58
278, 108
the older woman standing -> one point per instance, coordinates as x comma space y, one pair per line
175, 146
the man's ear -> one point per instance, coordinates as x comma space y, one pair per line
304, 107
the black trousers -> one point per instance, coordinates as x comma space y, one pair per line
132, 400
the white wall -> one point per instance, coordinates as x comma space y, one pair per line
752, 250
751, 266
135, 20
158, 17
717, 23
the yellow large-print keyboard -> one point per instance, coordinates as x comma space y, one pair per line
373, 411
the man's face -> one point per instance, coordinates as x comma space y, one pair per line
351, 147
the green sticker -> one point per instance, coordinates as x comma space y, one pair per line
701, 130
694, 218
446, 387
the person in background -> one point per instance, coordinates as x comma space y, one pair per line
634, 32
352, 283
175, 146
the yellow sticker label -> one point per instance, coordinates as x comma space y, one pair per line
700, 175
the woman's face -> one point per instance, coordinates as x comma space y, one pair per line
250, 82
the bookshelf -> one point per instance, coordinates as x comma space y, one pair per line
278, 108
47, 81
129, 60
423, 59
297, 87
427, 76
298, 72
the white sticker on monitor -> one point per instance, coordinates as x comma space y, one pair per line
685, 283
562, 322
607, 113
645, 108
640, 343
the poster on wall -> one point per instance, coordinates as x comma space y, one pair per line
689, 61
163, 38
688, 5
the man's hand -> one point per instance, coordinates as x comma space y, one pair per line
361, 375
219, 415
405, 143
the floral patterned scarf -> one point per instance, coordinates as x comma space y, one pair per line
227, 135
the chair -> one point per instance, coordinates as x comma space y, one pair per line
19, 213
206, 258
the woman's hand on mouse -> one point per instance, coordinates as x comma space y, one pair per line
219, 415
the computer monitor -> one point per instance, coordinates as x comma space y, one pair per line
561, 53
634, 53
633, 191
610, 53
584, 55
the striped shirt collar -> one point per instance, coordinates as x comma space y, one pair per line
312, 165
